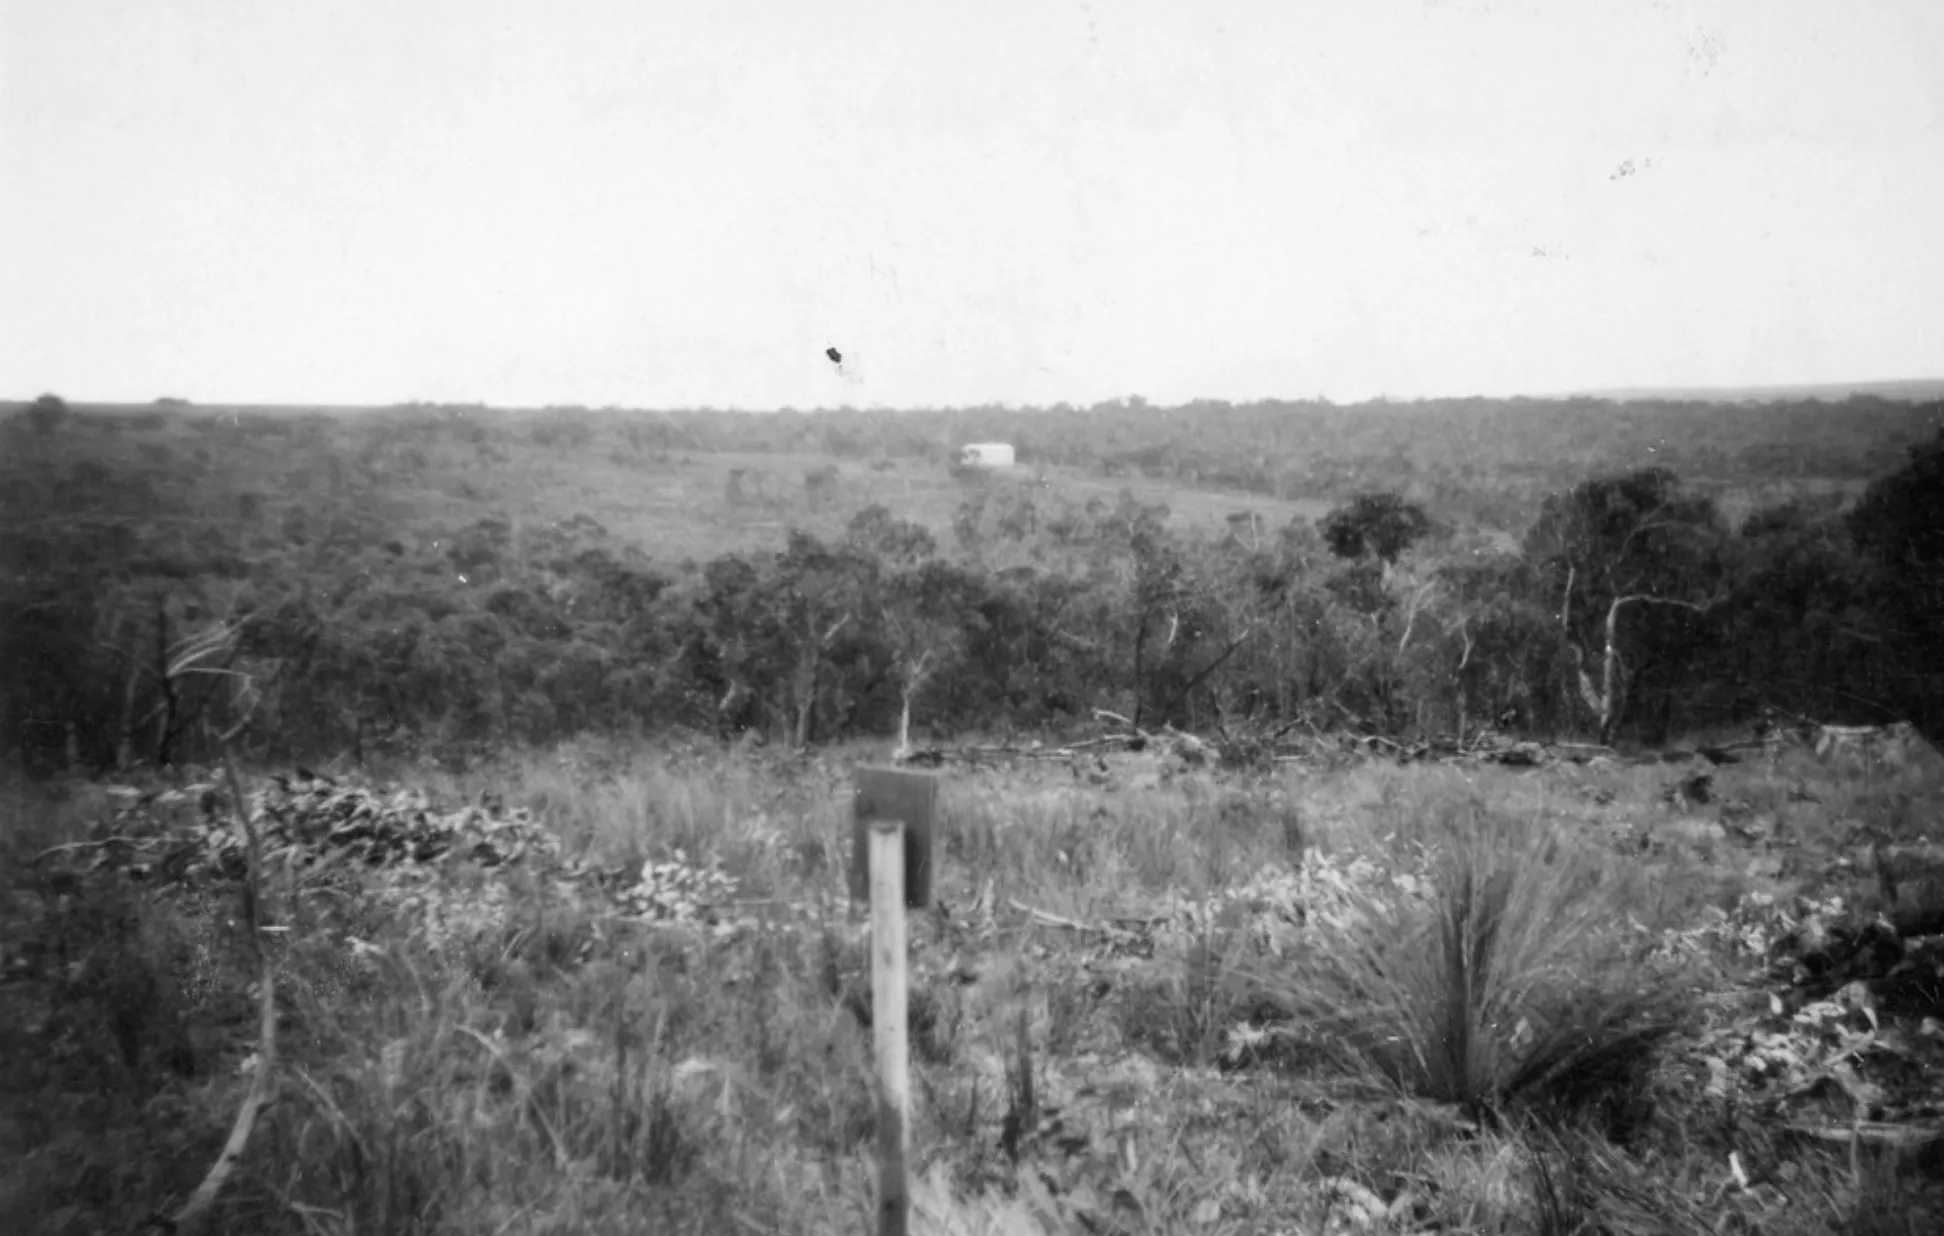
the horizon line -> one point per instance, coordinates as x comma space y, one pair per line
1708, 393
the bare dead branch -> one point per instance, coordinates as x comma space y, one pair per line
1411, 614
1054, 920
196, 1211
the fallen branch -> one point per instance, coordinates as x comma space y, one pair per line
1105, 740
1874, 1133
74, 847
1054, 920
1592, 748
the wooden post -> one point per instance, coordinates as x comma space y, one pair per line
889, 994
891, 842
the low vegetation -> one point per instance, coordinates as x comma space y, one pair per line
1151, 997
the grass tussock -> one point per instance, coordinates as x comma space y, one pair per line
1492, 965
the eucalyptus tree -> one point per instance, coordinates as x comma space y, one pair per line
1616, 546
1899, 523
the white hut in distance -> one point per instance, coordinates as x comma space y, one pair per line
986, 455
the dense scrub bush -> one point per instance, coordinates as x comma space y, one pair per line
1631, 609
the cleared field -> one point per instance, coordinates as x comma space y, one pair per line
674, 505
680, 507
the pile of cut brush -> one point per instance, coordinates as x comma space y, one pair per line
314, 825
191, 831
1255, 750
1844, 1039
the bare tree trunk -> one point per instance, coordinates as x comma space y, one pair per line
1606, 701
1610, 681
805, 703
809, 663
194, 1215
166, 716
125, 737
914, 676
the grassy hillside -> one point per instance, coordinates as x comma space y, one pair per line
1151, 998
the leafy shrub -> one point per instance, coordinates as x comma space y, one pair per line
45, 414
1382, 525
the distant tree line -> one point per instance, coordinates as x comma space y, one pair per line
1630, 611
145, 622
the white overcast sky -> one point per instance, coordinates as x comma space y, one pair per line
660, 204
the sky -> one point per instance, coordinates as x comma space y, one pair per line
532, 202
